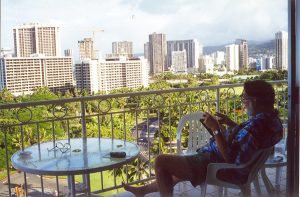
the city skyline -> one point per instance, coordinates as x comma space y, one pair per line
212, 23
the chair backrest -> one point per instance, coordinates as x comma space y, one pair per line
257, 162
198, 135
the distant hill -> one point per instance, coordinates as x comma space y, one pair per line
255, 48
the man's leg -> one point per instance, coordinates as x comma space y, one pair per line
174, 166
169, 166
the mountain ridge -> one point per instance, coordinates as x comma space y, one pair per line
254, 47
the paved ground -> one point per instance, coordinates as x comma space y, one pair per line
189, 191
34, 185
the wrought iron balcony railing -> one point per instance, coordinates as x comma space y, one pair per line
147, 118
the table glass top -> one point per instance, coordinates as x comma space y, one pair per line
73, 157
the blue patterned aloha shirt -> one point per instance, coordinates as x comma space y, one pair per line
261, 131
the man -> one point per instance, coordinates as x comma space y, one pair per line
235, 145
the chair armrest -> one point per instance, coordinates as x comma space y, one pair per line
211, 175
213, 168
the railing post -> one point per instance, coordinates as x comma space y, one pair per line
218, 100
7, 160
83, 119
85, 177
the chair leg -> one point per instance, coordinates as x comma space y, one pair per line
257, 186
246, 191
278, 177
267, 182
220, 191
203, 189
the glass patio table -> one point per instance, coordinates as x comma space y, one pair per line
73, 157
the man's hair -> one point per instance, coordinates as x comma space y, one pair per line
262, 91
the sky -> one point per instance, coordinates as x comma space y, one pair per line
212, 22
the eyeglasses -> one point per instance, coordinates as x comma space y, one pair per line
60, 146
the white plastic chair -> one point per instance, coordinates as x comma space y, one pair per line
256, 164
198, 135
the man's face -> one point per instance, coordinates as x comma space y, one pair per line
248, 102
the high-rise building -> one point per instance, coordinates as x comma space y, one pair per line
157, 53
86, 49
109, 74
266, 62
243, 53
206, 64
281, 42
219, 57
23, 74
252, 63
146, 51
36, 38
87, 76
123, 48
68, 52
179, 61
232, 57
192, 48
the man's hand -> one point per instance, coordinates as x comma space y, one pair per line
224, 119
211, 122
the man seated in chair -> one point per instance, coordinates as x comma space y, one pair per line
235, 145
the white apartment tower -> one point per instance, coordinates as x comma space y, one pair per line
24, 74
37, 63
193, 50
146, 51
219, 57
206, 64
87, 75
243, 53
36, 38
157, 53
123, 48
109, 74
232, 57
281, 56
130, 73
179, 61
86, 49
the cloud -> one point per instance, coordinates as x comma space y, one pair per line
211, 22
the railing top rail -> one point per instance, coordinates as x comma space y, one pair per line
131, 94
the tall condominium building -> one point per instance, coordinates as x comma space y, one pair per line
179, 61
219, 57
87, 75
86, 49
21, 75
281, 59
206, 64
146, 51
157, 53
192, 48
110, 74
232, 57
243, 53
36, 38
68, 52
122, 48
266, 62
252, 63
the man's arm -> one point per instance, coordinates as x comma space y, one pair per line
213, 124
224, 119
